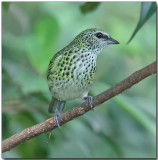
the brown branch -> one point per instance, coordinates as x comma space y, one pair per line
49, 125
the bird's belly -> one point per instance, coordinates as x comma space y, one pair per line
70, 91
74, 82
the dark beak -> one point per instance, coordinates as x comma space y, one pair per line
112, 41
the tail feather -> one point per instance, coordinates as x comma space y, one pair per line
54, 104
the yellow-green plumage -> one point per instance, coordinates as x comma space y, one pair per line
71, 71
70, 75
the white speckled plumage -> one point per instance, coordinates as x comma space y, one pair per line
71, 71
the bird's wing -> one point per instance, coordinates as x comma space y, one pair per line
54, 63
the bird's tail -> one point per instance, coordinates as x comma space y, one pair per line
56, 104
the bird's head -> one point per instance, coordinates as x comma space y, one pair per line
94, 39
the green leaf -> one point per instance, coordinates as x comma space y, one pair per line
41, 43
89, 6
147, 10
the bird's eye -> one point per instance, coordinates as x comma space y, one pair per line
99, 35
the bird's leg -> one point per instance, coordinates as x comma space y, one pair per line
89, 100
57, 114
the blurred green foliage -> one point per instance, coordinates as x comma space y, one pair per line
89, 6
147, 10
5, 5
123, 127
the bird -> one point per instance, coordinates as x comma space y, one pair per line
71, 71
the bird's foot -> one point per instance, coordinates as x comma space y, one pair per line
56, 115
89, 100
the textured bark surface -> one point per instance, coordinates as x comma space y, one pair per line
49, 125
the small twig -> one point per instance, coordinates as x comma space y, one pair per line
50, 133
49, 124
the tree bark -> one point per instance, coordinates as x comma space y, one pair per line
49, 124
